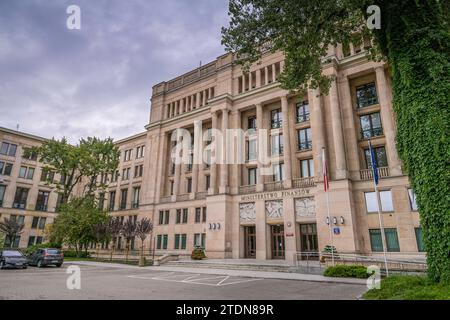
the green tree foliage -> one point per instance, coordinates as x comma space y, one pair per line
76, 223
414, 38
81, 166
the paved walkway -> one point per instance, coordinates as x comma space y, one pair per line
228, 272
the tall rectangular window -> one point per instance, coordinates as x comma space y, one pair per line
42, 200
278, 172
178, 217
419, 239
5, 168
183, 242
276, 119
165, 241
380, 157
251, 123
8, 149
177, 242
252, 149
207, 182
159, 241
302, 111
392, 244
2, 194
20, 198
307, 168
412, 200
189, 185
372, 203
112, 200
136, 196
167, 217
197, 215
252, 176
277, 144
371, 125
161, 217
101, 201
366, 95
138, 171
204, 214
123, 199
185, 215
304, 139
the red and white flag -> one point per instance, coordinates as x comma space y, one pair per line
326, 185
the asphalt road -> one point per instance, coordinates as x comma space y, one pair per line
136, 284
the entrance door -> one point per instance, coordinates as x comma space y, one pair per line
250, 242
277, 232
308, 239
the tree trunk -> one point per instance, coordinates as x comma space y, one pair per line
418, 46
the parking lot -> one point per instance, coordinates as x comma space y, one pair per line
109, 283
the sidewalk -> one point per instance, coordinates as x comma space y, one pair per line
229, 272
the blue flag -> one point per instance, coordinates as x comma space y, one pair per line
374, 163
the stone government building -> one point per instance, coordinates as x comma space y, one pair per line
233, 210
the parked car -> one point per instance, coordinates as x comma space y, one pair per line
12, 259
46, 257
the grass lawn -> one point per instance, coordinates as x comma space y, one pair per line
408, 288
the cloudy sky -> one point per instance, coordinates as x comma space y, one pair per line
97, 80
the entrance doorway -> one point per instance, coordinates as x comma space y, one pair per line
250, 241
277, 235
308, 240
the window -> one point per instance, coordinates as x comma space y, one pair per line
2, 194
18, 218
178, 217
5, 168
252, 149
8, 149
177, 242
172, 185
277, 119
138, 171
302, 109
380, 157
207, 182
112, 200
140, 152
376, 241
115, 176
252, 176
20, 198
136, 196
26, 173
277, 144
251, 123
38, 223
12, 243
371, 125
47, 176
199, 239
204, 214
180, 241
126, 174
386, 201
31, 241
419, 239
101, 201
31, 156
42, 200
412, 200
185, 215
366, 95
278, 172
164, 217
198, 215
307, 168
123, 199
165, 241
304, 139
127, 155
161, 241
189, 185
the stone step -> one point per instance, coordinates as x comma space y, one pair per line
234, 266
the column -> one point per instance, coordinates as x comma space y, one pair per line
176, 185
213, 168
261, 230
338, 138
262, 152
224, 166
281, 66
161, 171
274, 78
286, 143
258, 78
197, 155
350, 129
249, 80
204, 97
388, 122
243, 82
198, 99
182, 106
317, 128
235, 180
266, 75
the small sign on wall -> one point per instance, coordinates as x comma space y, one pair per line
337, 231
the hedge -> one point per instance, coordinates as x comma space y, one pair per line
344, 271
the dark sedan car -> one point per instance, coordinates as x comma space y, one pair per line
46, 257
12, 259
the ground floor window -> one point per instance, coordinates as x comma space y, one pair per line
376, 242
419, 239
200, 239
180, 241
32, 240
12, 243
162, 241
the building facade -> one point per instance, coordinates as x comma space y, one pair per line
234, 209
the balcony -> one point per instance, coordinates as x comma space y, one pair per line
166, 199
366, 174
305, 145
303, 182
200, 195
183, 197
273, 186
302, 117
247, 189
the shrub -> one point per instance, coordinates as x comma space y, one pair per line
31, 249
198, 253
343, 271
73, 254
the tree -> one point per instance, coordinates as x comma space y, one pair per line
114, 228
11, 229
128, 232
76, 222
86, 164
101, 234
144, 228
414, 38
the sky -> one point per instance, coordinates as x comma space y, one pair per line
97, 81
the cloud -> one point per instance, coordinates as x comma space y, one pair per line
97, 80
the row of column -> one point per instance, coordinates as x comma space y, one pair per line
258, 76
189, 103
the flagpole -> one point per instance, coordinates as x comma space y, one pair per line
326, 187
377, 194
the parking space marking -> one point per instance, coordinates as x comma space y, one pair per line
212, 280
